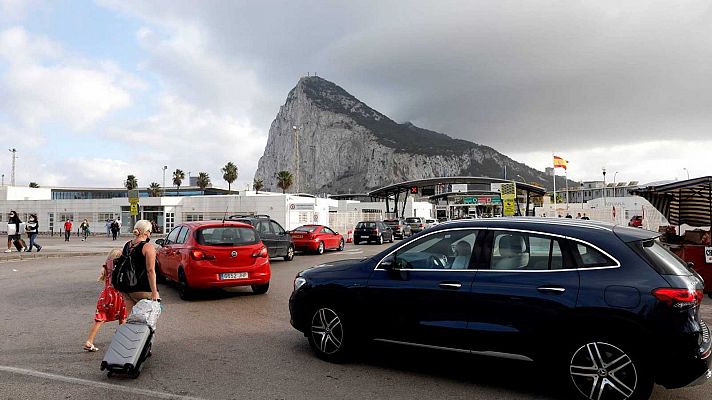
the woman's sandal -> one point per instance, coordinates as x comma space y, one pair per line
91, 348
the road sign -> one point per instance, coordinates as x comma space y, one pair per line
133, 196
134, 209
509, 196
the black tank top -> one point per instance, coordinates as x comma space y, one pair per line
139, 264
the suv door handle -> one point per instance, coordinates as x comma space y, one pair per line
450, 285
551, 289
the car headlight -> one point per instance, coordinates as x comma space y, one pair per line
298, 282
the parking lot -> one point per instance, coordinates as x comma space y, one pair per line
227, 345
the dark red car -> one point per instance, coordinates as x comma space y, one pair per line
636, 221
316, 238
214, 254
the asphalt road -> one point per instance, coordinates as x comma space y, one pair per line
226, 345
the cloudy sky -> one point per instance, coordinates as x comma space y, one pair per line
93, 91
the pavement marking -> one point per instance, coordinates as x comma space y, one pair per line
86, 382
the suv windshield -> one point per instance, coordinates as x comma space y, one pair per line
226, 236
662, 260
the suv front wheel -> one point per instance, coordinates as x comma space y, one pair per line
290, 253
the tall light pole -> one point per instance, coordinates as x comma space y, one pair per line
14, 155
3, 179
686, 170
604, 185
614, 183
165, 167
296, 149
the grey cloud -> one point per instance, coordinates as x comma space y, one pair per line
513, 75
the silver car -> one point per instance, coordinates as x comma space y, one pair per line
416, 224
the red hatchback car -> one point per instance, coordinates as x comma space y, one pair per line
316, 238
213, 254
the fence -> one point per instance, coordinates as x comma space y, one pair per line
343, 222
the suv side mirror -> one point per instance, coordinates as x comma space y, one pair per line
160, 242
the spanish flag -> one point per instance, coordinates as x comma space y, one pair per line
560, 162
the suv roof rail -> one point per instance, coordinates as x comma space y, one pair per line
236, 216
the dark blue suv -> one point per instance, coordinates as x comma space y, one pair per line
607, 306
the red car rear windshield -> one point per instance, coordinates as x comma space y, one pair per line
306, 229
226, 236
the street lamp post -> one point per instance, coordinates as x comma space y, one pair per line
296, 149
688, 173
604, 185
614, 183
165, 167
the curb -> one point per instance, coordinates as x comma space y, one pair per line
25, 257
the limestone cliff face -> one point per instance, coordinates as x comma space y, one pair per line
333, 143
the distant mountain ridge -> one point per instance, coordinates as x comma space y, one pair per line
342, 145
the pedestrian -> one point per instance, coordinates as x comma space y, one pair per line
144, 261
14, 236
84, 227
32, 228
108, 227
578, 215
585, 217
67, 229
154, 226
114, 229
568, 215
110, 305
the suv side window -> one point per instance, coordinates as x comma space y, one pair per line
171, 238
263, 227
276, 228
588, 257
442, 250
182, 235
512, 250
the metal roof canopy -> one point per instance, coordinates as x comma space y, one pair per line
683, 202
404, 187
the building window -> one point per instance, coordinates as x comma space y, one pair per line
170, 221
193, 217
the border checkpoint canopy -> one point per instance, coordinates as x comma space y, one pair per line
682, 202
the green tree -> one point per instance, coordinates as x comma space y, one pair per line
154, 190
203, 180
258, 185
34, 185
229, 174
284, 180
131, 182
178, 176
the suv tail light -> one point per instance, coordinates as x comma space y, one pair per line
262, 252
679, 297
200, 255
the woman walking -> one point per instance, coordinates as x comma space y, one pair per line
110, 306
14, 236
143, 257
84, 227
32, 229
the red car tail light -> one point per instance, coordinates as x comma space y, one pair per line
201, 255
678, 297
420, 225
262, 252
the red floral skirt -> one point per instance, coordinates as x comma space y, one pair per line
110, 306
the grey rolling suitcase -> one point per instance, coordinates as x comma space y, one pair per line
129, 348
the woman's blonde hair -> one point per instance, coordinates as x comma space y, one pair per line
142, 226
114, 253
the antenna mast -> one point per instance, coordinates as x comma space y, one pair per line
14, 155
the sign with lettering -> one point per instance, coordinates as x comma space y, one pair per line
708, 255
509, 195
134, 209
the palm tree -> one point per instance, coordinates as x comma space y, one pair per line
154, 190
258, 185
131, 182
284, 180
203, 180
229, 174
34, 185
178, 177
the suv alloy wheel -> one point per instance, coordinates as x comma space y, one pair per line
327, 334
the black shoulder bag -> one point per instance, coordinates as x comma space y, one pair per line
124, 277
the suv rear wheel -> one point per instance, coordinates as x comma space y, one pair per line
607, 369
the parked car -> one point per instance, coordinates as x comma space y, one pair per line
399, 227
316, 238
372, 231
417, 224
278, 241
443, 219
430, 222
636, 221
606, 308
213, 254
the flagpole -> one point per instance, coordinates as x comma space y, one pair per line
554, 174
